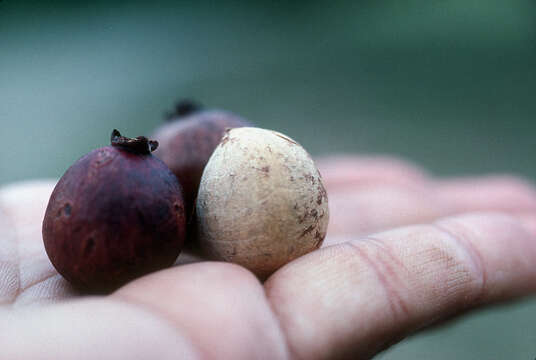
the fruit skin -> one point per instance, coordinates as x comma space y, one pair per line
188, 140
116, 214
261, 201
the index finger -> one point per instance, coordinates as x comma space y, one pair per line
357, 298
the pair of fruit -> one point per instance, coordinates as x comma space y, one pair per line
119, 212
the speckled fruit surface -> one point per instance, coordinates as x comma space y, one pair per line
261, 201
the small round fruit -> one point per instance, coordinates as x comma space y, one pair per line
116, 214
188, 140
261, 201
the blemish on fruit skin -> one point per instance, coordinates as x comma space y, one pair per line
307, 231
319, 238
310, 178
290, 249
322, 194
89, 246
65, 210
224, 140
102, 158
286, 138
264, 170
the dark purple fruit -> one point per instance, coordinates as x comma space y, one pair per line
188, 140
116, 214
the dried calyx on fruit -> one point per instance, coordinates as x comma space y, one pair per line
183, 108
116, 214
140, 144
187, 141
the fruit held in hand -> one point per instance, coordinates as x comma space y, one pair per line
188, 140
116, 214
261, 202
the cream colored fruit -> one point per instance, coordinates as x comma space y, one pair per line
261, 202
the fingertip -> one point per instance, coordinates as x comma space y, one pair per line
528, 220
343, 171
492, 192
27, 191
25, 203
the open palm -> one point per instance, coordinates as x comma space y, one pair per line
378, 277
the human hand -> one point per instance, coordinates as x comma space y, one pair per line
361, 292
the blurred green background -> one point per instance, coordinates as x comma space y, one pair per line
449, 84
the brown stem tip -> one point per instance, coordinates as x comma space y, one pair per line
139, 145
184, 108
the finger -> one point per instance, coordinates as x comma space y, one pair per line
198, 311
345, 171
498, 192
9, 265
368, 193
373, 208
36, 279
380, 207
90, 329
221, 307
357, 298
